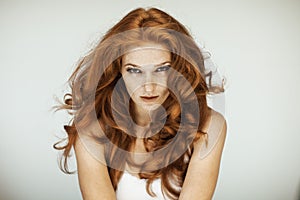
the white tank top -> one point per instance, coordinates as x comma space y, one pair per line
133, 188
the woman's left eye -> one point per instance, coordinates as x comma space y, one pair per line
163, 68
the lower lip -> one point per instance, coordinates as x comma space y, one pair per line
149, 99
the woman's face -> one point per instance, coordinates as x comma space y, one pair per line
145, 73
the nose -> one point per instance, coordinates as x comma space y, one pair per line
149, 85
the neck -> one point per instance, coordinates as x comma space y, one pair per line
142, 116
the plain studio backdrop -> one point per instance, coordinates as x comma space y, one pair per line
256, 44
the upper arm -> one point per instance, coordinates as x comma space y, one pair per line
93, 175
202, 173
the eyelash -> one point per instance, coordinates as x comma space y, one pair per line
133, 70
159, 69
164, 68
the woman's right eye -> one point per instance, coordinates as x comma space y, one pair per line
133, 70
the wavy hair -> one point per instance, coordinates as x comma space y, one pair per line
98, 91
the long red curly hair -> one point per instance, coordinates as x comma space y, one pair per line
98, 75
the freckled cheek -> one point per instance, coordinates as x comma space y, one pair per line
164, 91
164, 83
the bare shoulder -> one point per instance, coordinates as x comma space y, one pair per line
86, 160
220, 122
217, 116
89, 152
205, 161
220, 119
94, 179
216, 129
217, 125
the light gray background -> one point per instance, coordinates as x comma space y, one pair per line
255, 43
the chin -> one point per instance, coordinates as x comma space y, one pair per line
151, 107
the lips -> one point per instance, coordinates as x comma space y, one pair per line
149, 98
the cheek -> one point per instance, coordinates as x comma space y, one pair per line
164, 91
163, 82
161, 79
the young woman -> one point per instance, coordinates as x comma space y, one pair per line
142, 128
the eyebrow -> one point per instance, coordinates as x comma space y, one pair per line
157, 65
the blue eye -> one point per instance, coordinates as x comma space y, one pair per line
163, 68
133, 70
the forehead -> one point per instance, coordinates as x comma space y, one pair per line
146, 56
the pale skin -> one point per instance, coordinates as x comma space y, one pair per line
145, 73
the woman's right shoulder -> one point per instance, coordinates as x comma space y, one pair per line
88, 143
94, 180
86, 151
